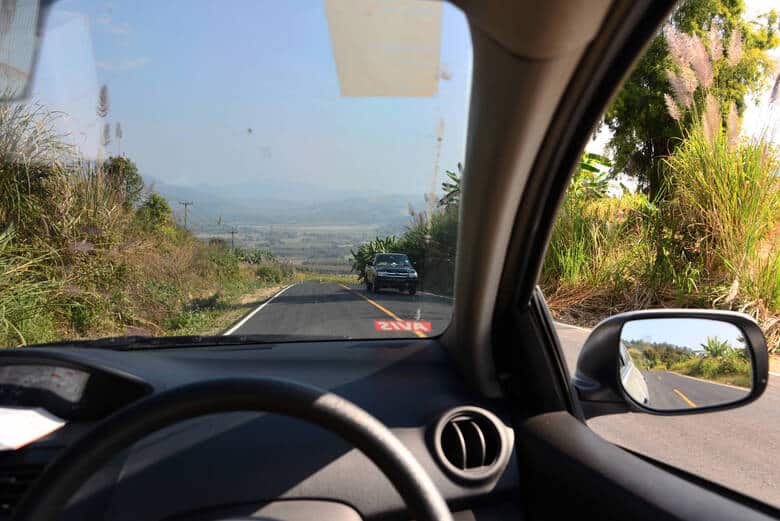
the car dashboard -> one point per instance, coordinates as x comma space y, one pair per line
263, 466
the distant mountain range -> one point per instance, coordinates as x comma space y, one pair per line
260, 204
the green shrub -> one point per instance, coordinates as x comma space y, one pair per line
154, 213
366, 252
274, 273
253, 256
187, 320
269, 274
122, 174
599, 242
734, 370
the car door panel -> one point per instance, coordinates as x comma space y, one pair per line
569, 470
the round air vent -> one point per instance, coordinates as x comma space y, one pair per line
471, 444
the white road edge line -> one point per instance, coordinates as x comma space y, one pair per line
254, 312
435, 295
564, 324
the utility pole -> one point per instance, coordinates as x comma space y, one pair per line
186, 205
233, 231
434, 178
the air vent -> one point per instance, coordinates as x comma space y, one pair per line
470, 441
472, 444
14, 482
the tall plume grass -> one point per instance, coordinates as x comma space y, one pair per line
723, 208
32, 155
25, 296
712, 239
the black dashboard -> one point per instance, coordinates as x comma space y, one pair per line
245, 465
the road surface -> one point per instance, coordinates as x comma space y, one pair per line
328, 310
674, 391
739, 448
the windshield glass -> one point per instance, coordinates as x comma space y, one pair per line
392, 260
233, 168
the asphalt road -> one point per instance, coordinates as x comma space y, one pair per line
674, 391
327, 310
739, 448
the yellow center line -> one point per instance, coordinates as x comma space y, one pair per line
381, 308
687, 400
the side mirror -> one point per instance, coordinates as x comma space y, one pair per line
671, 362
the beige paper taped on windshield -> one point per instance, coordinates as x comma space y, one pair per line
385, 48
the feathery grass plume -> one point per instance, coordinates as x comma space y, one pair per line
31, 155
715, 43
106, 135
683, 86
672, 108
677, 42
711, 119
732, 127
735, 48
103, 103
700, 62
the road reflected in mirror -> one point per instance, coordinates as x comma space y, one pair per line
672, 364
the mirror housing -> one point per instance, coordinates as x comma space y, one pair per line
597, 380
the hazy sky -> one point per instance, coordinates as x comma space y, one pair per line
681, 331
188, 80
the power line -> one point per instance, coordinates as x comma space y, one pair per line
186, 205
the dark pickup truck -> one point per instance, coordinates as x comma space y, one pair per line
391, 270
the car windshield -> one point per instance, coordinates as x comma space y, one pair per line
229, 168
392, 260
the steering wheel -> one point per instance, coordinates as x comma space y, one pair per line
47, 498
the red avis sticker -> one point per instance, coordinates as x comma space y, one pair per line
402, 325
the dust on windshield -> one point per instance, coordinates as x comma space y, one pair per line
172, 167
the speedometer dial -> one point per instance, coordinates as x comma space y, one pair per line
67, 383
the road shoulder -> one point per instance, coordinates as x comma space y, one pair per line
255, 301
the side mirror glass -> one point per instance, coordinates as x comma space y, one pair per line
671, 362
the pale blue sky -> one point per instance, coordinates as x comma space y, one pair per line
686, 332
188, 78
